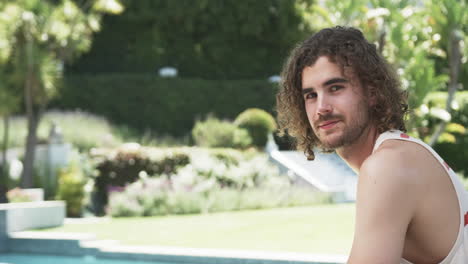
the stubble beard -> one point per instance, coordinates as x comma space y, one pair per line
347, 135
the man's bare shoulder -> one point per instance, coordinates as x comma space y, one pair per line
394, 170
396, 160
388, 173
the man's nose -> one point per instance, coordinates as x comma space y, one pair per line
324, 107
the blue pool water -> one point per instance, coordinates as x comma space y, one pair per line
50, 259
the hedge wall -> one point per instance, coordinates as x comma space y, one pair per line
164, 105
208, 39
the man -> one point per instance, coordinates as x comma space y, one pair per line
339, 94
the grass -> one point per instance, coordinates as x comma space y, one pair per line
93, 131
98, 130
324, 229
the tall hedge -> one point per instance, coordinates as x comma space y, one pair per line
163, 105
209, 39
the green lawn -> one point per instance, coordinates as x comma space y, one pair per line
313, 229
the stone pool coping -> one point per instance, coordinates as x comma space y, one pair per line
31, 215
79, 244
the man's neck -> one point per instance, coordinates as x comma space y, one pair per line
356, 153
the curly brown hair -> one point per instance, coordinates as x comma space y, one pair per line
347, 47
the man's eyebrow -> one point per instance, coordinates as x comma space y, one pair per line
334, 80
326, 83
307, 90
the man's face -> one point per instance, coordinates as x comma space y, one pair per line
336, 106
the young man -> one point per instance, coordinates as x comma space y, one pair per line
339, 94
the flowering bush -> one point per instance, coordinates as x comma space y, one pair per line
119, 167
209, 184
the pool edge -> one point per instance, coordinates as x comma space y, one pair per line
86, 244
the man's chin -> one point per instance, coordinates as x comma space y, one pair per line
330, 147
331, 143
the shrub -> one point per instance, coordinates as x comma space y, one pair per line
259, 198
214, 180
151, 195
186, 203
155, 196
223, 199
248, 174
71, 189
455, 151
258, 123
215, 133
117, 168
212, 184
244, 173
121, 205
16, 195
228, 156
216, 199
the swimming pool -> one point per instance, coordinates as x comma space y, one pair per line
51, 248
11, 258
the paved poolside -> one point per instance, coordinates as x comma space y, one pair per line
75, 244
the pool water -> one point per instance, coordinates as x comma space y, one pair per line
51, 259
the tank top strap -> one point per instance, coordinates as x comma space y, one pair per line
391, 134
397, 134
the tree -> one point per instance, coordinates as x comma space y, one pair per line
449, 19
407, 34
9, 97
47, 34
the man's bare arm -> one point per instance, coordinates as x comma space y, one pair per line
386, 201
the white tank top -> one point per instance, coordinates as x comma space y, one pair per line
459, 252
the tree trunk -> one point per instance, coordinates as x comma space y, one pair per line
454, 64
4, 176
27, 177
382, 35
33, 115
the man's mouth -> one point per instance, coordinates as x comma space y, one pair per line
328, 124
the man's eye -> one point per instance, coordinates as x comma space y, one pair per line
310, 96
335, 88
